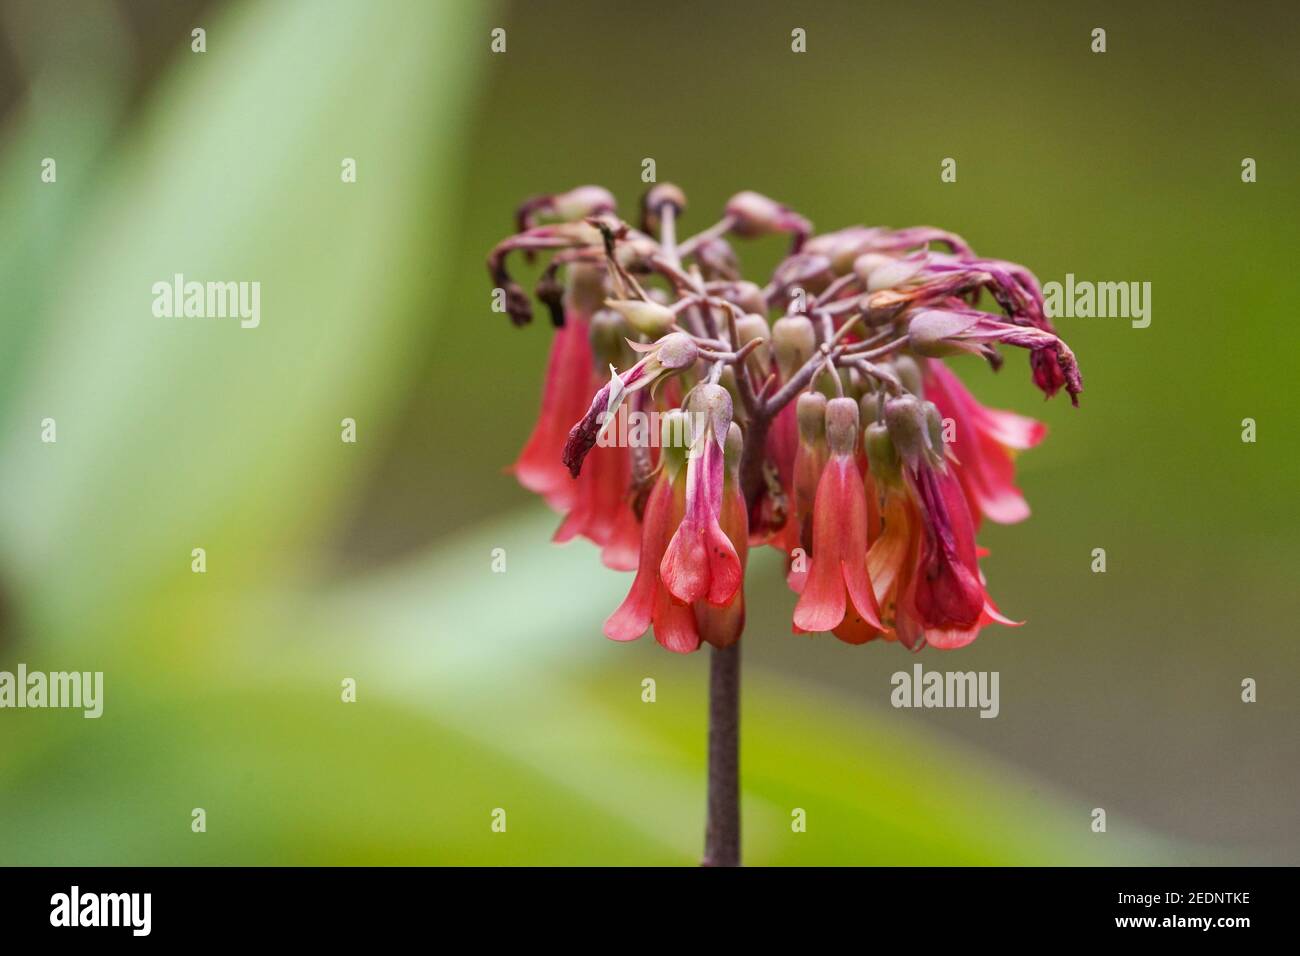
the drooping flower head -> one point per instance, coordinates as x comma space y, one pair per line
813, 412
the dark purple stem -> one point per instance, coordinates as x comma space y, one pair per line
722, 828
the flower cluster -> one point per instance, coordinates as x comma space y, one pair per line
814, 414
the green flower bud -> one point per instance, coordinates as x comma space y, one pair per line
905, 419
734, 448
752, 326
608, 333
825, 380
871, 406
909, 373
649, 318
793, 341
674, 439
810, 411
882, 456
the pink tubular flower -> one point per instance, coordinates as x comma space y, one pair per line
984, 444
569, 382
891, 561
648, 603
939, 593
838, 590
946, 591
771, 516
721, 626
809, 461
602, 509
701, 563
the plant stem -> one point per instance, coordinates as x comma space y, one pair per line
722, 828
722, 825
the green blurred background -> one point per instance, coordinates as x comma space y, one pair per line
372, 561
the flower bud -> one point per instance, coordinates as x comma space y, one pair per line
717, 259
585, 287
749, 297
905, 418
826, 378
749, 327
879, 308
661, 193
608, 333
882, 456
655, 198
928, 332
674, 439
677, 351
753, 215
582, 202
894, 273
843, 247
714, 403
867, 263
805, 271
649, 318
909, 373
634, 252
810, 411
734, 448
842, 425
793, 341
871, 406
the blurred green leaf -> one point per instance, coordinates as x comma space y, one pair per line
480, 694
186, 432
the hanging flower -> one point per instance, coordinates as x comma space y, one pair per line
985, 444
701, 563
564, 398
649, 602
838, 591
